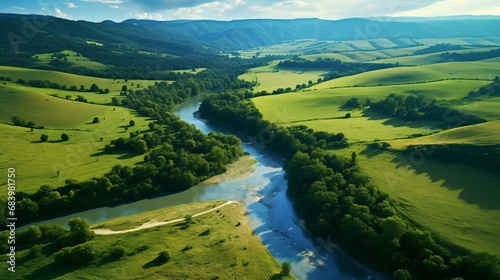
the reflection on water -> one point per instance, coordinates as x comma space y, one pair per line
270, 212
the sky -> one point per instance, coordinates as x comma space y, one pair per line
119, 10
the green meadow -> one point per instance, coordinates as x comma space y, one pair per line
270, 78
482, 70
74, 59
322, 109
456, 202
228, 251
114, 85
486, 108
480, 134
81, 157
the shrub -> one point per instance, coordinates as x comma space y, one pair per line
116, 252
44, 138
163, 257
64, 137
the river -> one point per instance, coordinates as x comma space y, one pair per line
270, 211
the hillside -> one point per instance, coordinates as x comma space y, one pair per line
226, 250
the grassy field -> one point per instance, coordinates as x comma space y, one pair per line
456, 202
479, 134
269, 78
74, 59
484, 70
229, 251
69, 80
79, 158
321, 109
487, 108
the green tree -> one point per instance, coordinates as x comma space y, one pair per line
94, 88
95, 120
286, 268
132, 122
44, 138
31, 235
163, 257
141, 147
64, 137
402, 274
124, 88
79, 230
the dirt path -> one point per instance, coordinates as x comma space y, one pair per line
156, 224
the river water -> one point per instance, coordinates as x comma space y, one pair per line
270, 211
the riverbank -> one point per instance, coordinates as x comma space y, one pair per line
241, 169
219, 243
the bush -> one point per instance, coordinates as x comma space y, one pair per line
95, 120
35, 252
116, 252
77, 255
44, 138
205, 232
64, 137
163, 257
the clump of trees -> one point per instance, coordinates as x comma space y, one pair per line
20, 122
411, 108
486, 157
337, 67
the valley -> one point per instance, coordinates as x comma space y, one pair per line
258, 149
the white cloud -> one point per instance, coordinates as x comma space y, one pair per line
453, 7
217, 10
17, 8
152, 16
71, 5
59, 13
114, 7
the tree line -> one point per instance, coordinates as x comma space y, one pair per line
336, 200
337, 68
485, 157
411, 108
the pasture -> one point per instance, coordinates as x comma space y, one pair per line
228, 251
73, 58
480, 134
481, 70
456, 202
270, 78
114, 85
486, 108
80, 158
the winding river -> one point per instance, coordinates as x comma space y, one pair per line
270, 212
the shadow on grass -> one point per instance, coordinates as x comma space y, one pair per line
51, 271
153, 263
371, 152
395, 122
479, 187
122, 155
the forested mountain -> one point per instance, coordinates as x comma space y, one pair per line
182, 37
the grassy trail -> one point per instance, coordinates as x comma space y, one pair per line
152, 224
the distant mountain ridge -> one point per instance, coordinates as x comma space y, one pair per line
184, 37
241, 34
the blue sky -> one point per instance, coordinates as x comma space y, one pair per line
119, 10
